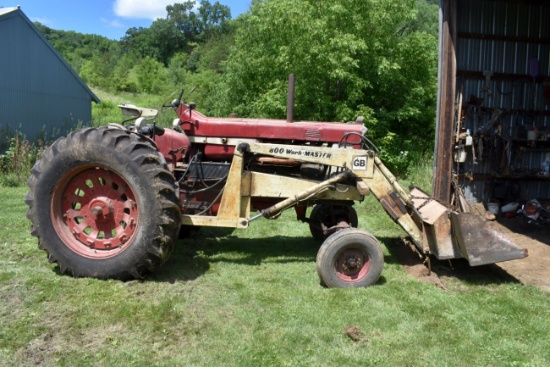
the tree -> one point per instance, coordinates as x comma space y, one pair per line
350, 57
151, 75
186, 21
139, 42
78, 48
166, 40
176, 68
121, 77
214, 19
181, 31
212, 54
95, 71
210, 20
332, 47
426, 20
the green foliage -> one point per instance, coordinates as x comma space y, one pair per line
207, 93
93, 71
406, 97
108, 111
375, 58
151, 75
105, 112
122, 79
201, 25
177, 68
214, 20
182, 30
16, 162
327, 46
211, 56
78, 48
138, 42
145, 60
346, 55
426, 19
420, 172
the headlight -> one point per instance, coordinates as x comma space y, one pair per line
176, 123
140, 123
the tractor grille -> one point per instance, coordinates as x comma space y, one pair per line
314, 134
209, 170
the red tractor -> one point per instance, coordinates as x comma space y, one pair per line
109, 202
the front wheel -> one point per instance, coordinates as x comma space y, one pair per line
326, 219
350, 258
103, 204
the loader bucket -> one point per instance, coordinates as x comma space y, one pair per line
481, 244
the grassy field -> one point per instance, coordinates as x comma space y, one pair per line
107, 111
252, 298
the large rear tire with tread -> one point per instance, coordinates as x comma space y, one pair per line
103, 204
350, 258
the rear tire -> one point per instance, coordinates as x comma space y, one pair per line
350, 258
103, 204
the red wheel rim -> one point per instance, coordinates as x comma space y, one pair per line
95, 212
352, 265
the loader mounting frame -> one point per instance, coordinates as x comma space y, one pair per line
360, 173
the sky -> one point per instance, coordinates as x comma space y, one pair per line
109, 18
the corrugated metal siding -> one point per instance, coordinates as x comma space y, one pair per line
37, 90
504, 37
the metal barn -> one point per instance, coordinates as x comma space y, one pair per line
493, 116
39, 91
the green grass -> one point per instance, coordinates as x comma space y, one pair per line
252, 298
107, 111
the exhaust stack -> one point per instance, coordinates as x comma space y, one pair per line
290, 100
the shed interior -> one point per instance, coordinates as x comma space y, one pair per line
494, 106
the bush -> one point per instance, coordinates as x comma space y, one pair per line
16, 162
420, 172
10, 180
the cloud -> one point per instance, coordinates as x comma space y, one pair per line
112, 23
141, 9
43, 21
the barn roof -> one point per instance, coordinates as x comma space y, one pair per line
14, 12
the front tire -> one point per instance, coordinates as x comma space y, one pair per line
350, 258
324, 216
103, 204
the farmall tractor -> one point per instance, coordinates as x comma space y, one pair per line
110, 202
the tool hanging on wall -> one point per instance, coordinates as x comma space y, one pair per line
460, 198
480, 149
474, 156
486, 128
458, 115
487, 88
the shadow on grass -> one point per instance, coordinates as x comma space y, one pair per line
192, 256
404, 254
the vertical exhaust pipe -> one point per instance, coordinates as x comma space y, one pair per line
290, 101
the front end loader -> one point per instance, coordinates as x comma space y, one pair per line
109, 202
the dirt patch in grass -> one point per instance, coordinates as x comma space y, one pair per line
56, 341
533, 270
415, 265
